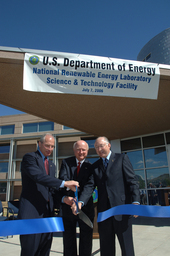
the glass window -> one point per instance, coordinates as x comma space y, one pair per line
66, 127
7, 129
2, 187
38, 127
30, 127
155, 176
17, 167
46, 126
65, 149
148, 56
4, 167
140, 178
92, 160
143, 197
168, 137
155, 157
130, 144
4, 149
136, 159
90, 142
155, 140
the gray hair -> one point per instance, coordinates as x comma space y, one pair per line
105, 139
42, 139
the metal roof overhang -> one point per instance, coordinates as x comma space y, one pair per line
113, 117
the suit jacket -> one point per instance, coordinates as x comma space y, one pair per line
117, 185
68, 171
37, 187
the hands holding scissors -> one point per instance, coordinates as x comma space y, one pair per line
76, 206
73, 202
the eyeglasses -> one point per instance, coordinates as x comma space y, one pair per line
101, 146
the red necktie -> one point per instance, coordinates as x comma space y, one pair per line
78, 168
46, 164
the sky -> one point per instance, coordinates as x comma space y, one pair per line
117, 29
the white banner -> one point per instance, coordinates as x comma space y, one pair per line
90, 75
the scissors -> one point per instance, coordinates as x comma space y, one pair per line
80, 213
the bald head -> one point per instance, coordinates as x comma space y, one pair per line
46, 144
80, 150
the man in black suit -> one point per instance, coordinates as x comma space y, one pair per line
70, 170
117, 185
36, 200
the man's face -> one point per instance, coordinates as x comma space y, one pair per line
102, 147
81, 150
47, 146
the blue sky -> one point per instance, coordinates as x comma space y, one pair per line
117, 29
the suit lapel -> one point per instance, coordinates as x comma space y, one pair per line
41, 162
74, 168
50, 167
83, 169
101, 166
111, 161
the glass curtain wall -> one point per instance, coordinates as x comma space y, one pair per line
149, 159
4, 160
149, 156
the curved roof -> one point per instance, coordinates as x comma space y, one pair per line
157, 50
114, 117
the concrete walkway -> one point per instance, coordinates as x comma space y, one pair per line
151, 238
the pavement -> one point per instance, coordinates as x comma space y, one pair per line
151, 238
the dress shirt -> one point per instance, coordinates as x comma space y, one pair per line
43, 157
81, 162
108, 156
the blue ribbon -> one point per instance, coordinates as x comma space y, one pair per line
76, 201
31, 226
132, 209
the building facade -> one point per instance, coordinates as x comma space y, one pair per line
19, 134
157, 50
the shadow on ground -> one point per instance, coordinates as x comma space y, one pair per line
157, 222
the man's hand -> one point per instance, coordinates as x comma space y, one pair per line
74, 208
71, 184
68, 200
79, 205
135, 216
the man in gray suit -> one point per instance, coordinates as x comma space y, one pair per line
117, 185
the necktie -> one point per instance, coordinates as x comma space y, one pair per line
46, 164
105, 163
78, 168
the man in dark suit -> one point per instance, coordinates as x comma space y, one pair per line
117, 185
36, 201
70, 170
